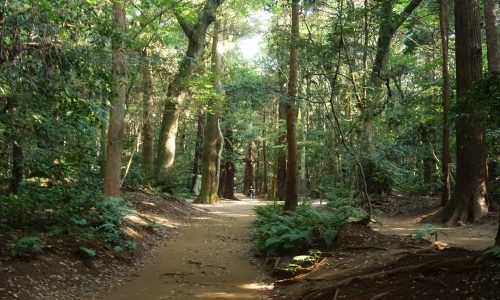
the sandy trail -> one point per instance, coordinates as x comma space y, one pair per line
208, 259
471, 236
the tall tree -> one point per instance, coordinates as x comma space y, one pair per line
248, 173
226, 186
197, 149
468, 202
490, 19
291, 192
147, 126
112, 172
446, 96
212, 144
178, 88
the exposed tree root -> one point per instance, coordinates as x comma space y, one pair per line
434, 264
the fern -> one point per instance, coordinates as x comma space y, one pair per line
279, 232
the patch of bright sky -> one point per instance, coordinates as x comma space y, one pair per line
251, 47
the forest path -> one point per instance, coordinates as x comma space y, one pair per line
470, 236
208, 259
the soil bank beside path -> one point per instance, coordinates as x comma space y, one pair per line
208, 259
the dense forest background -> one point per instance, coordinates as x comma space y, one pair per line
321, 99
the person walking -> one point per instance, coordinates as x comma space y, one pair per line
252, 192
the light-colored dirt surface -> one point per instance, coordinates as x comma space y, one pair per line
471, 236
208, 259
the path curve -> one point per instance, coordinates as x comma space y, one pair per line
470, 236
208, 259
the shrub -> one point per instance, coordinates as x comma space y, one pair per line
278, 232
25, 246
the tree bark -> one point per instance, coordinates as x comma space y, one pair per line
281, 154
226, 188
197, 150
291, 193
265, 181
117, 110
446, 96
491, 36
210, 163
468, 202
178, 89
248, 175
147, 126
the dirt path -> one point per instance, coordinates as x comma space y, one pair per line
208, 259
471, 236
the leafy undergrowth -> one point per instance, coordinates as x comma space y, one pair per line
109, 239
279, 232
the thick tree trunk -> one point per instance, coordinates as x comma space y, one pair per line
197, 150
226, 186
492, 36
209, 175
178, 89
292, 193
281, 154
468, 202
112, 172
248, 175
444, 25
147, 126
210, 162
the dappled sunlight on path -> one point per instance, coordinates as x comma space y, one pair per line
210, 259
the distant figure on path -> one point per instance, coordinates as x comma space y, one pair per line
252, 192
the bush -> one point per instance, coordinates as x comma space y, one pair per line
289, 233
25, 246
76, 211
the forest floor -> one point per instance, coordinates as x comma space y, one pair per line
204, 252
383, 261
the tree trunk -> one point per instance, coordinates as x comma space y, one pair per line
226, 186
468, 202
147, 127
17, 168
210, 163
492, 36
291, 193
112, 172
248, 176
265, 181
281, 154
178, 89
197, 150
446, 96
257, 179
302, 180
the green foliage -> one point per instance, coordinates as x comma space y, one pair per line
87, 251
25, 246
280, 232
77, 211
495, 251
427, 231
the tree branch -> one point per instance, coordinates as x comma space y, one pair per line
405, 14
